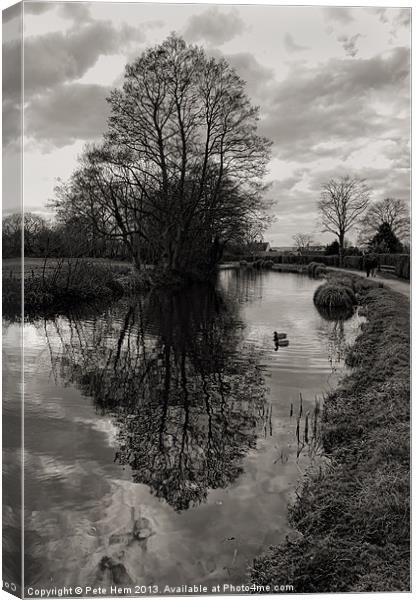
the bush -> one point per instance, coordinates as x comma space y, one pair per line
332, 295
316, 269
311, 267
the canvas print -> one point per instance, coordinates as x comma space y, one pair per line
206, 299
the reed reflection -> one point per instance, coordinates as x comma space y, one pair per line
187, 395
335, 320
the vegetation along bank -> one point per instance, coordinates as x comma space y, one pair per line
353, 516
61, 283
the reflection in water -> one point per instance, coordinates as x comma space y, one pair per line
338, 345
161, 446
186, 407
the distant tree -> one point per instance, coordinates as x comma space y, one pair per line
332, 249
34, 227
342, 203
385, 241
302, 242
391, 211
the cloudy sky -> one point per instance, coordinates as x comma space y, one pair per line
332, 85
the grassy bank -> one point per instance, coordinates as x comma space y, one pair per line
354, 516
61, 283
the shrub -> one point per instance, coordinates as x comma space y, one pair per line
332, 295
268, 264
316, 269
311, 267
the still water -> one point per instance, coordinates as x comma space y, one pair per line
159, 443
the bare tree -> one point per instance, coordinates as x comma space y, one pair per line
302, 242
343, 201
180, 170
389, 211
33, 228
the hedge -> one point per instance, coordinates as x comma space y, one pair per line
289, 259
401, 262
353, 262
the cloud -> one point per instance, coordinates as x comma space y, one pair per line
381, 184
57, 57
257, 77
335, 103
296, 208
76, 11
38, 8
214, 26
70, 112
403, 17
12, 120
291, 46
30, 8
342, 14
381, 13
349, 43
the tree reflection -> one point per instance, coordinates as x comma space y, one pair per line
171, 369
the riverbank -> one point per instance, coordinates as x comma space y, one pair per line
58, 284
390, 281
353, 517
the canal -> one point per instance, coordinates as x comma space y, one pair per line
161, 442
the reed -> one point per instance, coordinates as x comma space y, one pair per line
306, 427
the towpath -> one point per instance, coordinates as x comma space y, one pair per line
398, 285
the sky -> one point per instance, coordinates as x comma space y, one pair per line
332, 84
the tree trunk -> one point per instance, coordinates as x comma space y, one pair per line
341, 248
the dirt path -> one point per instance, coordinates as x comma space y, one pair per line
398, 285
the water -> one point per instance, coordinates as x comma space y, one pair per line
159, 446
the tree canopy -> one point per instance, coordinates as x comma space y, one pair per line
385, 240
393, 212
303, 241
179, 171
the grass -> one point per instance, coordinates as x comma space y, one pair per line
62, 283
353, 517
